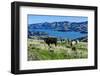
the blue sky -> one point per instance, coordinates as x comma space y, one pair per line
49, 18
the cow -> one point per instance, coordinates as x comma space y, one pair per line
50, 40
73, 44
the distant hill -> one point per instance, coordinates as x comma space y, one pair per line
62, 26
83, 39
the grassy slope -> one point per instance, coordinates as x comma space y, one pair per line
38, 50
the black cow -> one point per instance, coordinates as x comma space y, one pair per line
50, 40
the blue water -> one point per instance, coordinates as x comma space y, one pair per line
59, 34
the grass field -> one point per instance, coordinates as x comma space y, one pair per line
39, 50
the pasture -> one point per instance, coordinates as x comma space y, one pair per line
39, 50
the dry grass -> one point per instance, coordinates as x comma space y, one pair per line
39, 50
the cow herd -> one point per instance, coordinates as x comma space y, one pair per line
51, 40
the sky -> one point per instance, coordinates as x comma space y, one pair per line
32, 19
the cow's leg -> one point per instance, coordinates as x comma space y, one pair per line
55, 44
74, 48
49, 46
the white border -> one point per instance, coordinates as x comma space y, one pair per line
26, 65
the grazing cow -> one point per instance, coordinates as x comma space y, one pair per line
50, 40
73, 43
